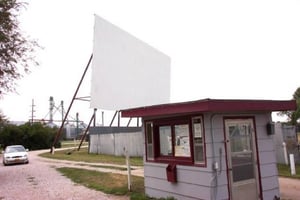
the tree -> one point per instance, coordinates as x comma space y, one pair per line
293, 116
3, 119
33, 136
16, 49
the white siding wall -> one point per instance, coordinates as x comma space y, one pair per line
114, 143
267, 159
215, 151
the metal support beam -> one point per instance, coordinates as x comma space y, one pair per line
129, 121
86, 130
113, 119
58, 134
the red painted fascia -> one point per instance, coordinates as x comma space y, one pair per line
211, 105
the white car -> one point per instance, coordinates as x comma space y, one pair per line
15, 154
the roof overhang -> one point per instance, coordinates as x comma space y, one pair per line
211, 105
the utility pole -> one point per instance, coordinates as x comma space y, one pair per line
32, 111
102, 118
62, 111
95, 111
77, 125
51, 107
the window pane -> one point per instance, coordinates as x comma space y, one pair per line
149, 133
242, 167
198, 153
149, 140
241, 152
240, 137
165, 140
197, 128
198, 139
149, 151
182, 142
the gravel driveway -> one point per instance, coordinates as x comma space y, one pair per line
40, 180
289, 188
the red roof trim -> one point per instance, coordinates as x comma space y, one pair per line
211, 105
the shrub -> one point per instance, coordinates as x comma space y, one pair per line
32, 136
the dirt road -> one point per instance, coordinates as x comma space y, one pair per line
289, 188
40, 180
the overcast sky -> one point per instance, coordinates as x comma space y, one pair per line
218, 49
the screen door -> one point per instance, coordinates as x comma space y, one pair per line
242, 160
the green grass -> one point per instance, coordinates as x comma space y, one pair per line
84, 156
71, 143
109, 183
285, 171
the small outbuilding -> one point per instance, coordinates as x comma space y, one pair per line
210, 149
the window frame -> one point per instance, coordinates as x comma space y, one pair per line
147, 144
172, 122
203, 162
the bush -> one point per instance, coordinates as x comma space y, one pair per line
32, 136
10, 134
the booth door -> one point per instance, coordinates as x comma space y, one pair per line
242, 159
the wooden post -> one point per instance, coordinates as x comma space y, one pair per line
292, 164
285, 155
128, 169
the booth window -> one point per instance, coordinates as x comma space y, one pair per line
198, 139
182, 143
149, 140
165, 141
179, 140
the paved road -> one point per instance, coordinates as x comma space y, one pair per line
40, 180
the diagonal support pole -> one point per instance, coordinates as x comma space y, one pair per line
86, 130
59, 132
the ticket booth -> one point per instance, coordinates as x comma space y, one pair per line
210, 149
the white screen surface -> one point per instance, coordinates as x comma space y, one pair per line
126, 72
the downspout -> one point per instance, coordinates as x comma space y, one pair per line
215, 165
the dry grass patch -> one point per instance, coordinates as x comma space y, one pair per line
84, 156
109, 183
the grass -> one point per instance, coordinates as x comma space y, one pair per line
71, 143
285, 171
109, 183
84, 156
116, 184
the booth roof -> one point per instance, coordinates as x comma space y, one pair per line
211, 105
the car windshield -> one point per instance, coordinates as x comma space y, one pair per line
15, 149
